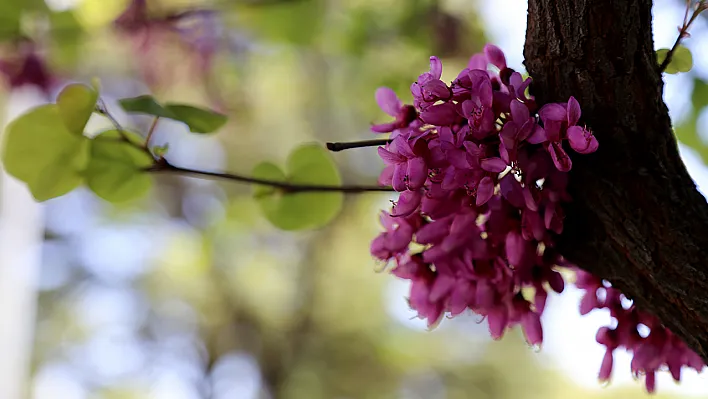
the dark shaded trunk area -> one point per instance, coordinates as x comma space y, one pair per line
637, 219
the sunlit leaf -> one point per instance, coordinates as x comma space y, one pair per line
308, 164
41, 151
144, 104
199, 120
115, 171
681, 60
76, 104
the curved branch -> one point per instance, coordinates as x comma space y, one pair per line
637, 219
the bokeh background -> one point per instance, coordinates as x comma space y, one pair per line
190, 293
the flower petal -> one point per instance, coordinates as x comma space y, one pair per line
399, 177
485, 191
407, 203
515, 248
538, 136
497, 320
390, 158
386, 175
573, 111
519, 112
532, 328
495, 56
417, 173
384, 127
559, 156
512, 191
440, 114
494, 165
478, 61
582, 140
552, 111
435, 67
442, 286
388, 101
606, 368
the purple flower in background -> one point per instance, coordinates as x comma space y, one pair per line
27, 68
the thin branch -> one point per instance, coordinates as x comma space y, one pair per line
103, 110
335, 147
164, 166
683, 30
150, 132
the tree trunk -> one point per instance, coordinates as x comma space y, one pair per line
636, 218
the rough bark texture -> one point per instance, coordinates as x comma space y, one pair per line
637, 219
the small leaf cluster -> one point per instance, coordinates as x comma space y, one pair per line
49, 150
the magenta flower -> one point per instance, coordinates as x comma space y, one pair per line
478, 109
398, 235
480, 201
405, 168
495, 56
388, 102
429, 88
559, 121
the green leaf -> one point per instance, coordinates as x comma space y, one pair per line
199, 120
41, 151
76, 103
144, 104
681, 60
308, 164
115, 170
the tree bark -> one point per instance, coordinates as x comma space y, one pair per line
636, 218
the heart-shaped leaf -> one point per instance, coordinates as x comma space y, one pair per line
144, 104
308, 164
199, 120
41, 151
115, 171
76, 103
681, 60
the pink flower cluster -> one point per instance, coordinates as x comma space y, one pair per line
482, 173
656, 350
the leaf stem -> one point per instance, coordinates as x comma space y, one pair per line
683, 30
336, 147
150, 132
164, 166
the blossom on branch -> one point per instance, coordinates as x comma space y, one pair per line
482, 174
